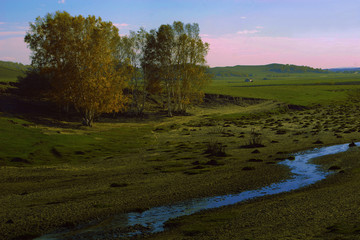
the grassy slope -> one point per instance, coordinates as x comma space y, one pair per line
306, 90
153, 161
43, 145
9, 71
252, 70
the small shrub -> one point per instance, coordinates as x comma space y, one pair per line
215, 148
254, 141
218, 130
255, 138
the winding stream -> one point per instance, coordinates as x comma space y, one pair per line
152, 220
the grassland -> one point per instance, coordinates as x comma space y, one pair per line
55, 173
9, 71
326, 210
298, 89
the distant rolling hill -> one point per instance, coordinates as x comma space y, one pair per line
9, 71
344, 69
249, 71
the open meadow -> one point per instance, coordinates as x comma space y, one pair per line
56, 174
305, 89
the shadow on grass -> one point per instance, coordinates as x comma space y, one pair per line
37, 112
44, 112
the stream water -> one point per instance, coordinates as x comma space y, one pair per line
152, 220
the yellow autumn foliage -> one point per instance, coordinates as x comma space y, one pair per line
79, 53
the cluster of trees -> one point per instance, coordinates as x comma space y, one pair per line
226, 73
289, 68
84, 63
271, 70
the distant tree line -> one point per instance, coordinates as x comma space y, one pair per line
289, 68
227, 73
83, 63
275, 69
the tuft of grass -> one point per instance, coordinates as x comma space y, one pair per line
215, 148
254, 141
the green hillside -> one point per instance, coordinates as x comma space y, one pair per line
9, 71
270, 70
291, 84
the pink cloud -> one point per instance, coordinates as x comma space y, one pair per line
315, 52
14, 49
247, 32
10, 59
247, 50
121, 25
3, 34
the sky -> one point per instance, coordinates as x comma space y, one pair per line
316, 33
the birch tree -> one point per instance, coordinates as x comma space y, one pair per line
80, 55
131, 52
176, 54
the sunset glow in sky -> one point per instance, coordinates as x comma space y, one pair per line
317, 33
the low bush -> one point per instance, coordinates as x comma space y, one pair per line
215, 148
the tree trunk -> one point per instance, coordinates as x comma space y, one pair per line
88, 118
169, 106
169, 100
87, 122
142, 105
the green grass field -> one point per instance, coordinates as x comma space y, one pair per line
299, 88
41, 145
56, 173
305, 89
9, 71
